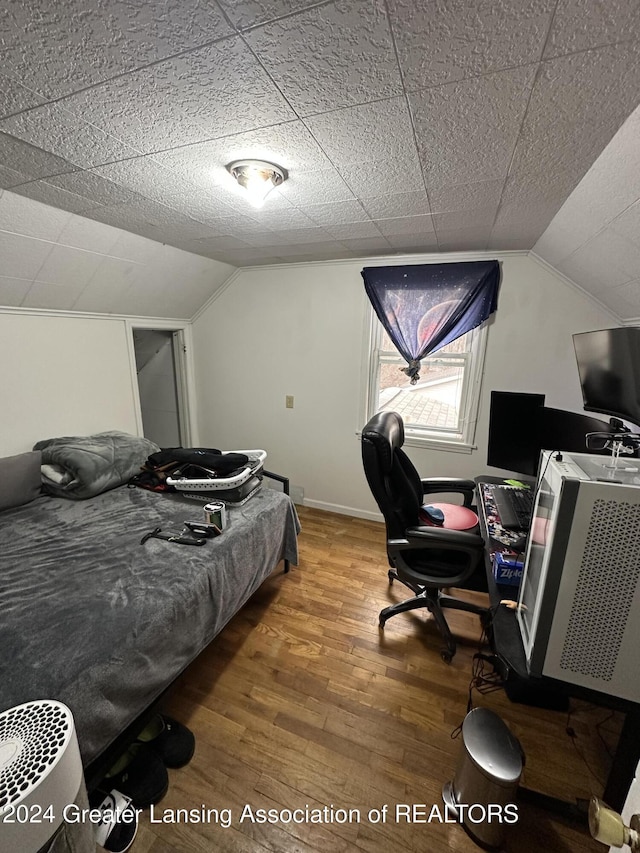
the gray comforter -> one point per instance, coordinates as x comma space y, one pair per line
91, 617
83, 466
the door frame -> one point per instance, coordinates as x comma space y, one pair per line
184, 369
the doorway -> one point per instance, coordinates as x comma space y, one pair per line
159, 372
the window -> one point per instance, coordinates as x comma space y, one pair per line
441, 409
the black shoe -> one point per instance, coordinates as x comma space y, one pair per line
119, 825
172, 741
139, 774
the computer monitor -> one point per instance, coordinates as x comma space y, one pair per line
521, 426
609, 368
514, 431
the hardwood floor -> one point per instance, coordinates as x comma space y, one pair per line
303, 702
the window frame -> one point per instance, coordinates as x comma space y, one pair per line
459, 442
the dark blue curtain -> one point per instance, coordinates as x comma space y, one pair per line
423, 307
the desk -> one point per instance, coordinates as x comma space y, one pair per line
504, 636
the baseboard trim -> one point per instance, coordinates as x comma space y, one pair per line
343, 510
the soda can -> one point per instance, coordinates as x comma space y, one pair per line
216, 513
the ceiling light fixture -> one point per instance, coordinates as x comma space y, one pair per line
257, 177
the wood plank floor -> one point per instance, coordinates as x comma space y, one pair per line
302, 701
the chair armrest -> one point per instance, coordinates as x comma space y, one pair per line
437, 537
439, 572
457, 485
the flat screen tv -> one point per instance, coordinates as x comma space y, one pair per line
609, 368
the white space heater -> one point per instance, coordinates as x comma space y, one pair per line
40, 774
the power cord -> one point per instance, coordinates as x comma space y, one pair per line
573, 737
482, 680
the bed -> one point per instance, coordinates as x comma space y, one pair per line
95, 619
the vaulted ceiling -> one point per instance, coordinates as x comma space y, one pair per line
405, 125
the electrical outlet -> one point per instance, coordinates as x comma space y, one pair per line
288, 401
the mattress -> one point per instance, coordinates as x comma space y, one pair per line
94, 619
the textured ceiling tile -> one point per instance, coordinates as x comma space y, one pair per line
523, 224
464, 219
60, 132
413, 242
83, 233
14, 97
627, 225
282, 218
365, 246
337, 213
213, 244
13, 290
558, 242
106, 292
333, 252
21, 256
10, 178
320, 187
625, 300
606, 261
66, 265
463, 240
380, 131
58, 48
607, 189
384, 176
512, 241
577, 105
354, 230
297, 250
248, 13
467, 131
161, 185
58, 297
406, 225
332, 56
48, 194
93, 187
132, 247
243, 260
289, 145
582, 24
440, 42
262, 238
295, 236
212, 92
30, 161
481, 195
20, 216
141, 217
396, 204
240, 226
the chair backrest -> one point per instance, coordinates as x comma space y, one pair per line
392, 477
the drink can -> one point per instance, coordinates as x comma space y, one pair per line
216, 513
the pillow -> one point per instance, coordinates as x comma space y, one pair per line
19, 479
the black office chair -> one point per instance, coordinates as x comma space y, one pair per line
425, 555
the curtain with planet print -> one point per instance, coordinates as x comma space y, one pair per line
423, 307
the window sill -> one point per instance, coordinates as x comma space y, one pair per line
434, 443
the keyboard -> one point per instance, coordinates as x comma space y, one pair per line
515, 507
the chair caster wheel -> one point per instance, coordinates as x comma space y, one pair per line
446, 655
381, 624
391, 577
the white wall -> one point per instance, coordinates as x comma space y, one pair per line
62, 376
298, 329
